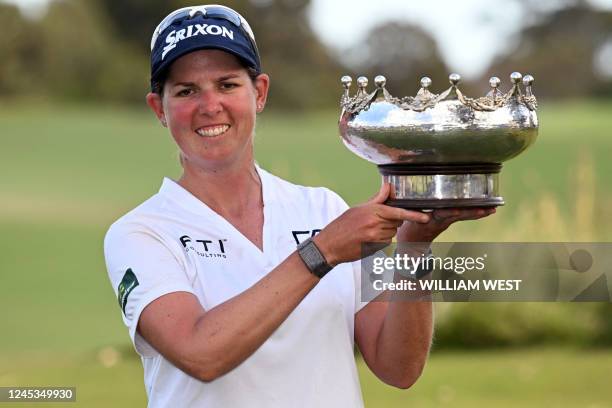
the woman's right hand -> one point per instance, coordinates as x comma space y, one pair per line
371, 222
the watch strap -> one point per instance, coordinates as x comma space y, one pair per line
313, 258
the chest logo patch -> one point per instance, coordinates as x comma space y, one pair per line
206, 248
127, 285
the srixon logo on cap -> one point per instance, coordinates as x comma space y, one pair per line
174, 37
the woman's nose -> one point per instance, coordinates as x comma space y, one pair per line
210, 103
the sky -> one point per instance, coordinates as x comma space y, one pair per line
470, 33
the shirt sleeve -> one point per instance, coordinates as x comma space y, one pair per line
141, 268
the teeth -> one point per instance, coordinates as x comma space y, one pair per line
212, 131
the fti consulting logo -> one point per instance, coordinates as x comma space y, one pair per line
206, 248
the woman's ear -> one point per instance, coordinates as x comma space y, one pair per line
262, 84
154, 100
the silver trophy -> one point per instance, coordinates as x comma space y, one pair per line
440, 151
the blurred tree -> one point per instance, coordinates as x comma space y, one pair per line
561, 50
20, 52
75, 48
403, 53
303, 73
134, 20
535, 10
81, 59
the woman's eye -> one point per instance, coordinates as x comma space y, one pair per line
228, 85
184, 92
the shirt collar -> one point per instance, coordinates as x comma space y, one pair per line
172, 190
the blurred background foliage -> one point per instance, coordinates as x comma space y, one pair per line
570, 47
102, 53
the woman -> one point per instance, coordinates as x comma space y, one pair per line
225, 300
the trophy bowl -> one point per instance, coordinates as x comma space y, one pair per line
439, 151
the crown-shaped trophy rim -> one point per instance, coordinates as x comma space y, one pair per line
448, 127
425, 99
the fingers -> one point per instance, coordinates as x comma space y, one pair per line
445, 216
400, 214
445, 213
382, 194
394, 213
474, 214
451, 215
479, 215
416, 216
383, 230
390, 224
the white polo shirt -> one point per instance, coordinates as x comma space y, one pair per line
174, 242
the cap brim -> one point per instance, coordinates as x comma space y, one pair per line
195, 47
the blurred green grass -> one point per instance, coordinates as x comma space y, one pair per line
67, 172
525, 378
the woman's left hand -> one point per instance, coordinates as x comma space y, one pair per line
440, 221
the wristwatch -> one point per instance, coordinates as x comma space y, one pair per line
313, 258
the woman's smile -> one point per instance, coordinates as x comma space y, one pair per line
212, 130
